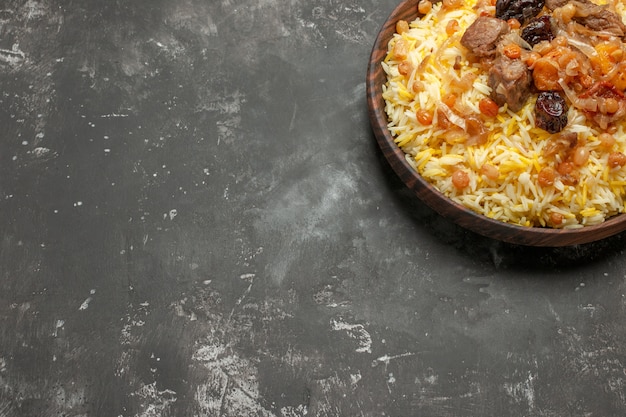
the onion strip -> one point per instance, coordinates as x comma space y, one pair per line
452, 116
583, 47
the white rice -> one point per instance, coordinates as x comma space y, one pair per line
514, 145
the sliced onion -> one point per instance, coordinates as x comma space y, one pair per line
609, 75
422, 65
571, 69
571, 94
443, 47
514, 37
602, 120
583, 47
452, 116
589, 104
450, 78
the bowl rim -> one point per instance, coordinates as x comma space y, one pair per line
435, 199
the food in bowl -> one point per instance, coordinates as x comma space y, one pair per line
514, 109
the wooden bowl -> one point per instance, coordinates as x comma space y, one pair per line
464, 217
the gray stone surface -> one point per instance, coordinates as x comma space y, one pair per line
196, 221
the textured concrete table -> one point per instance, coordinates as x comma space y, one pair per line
196, 221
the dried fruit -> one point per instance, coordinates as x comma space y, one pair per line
551, 111
537, 30
522, 10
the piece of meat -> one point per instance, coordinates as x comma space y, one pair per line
482, 36
510, 81
599, 19
593, 16
554, 4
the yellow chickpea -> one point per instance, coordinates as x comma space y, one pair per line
402, 26
424, 6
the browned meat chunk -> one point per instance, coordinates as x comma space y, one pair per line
482, 36
599, 19
595, 17
554, 4
510, 81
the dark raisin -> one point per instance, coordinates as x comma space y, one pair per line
537, 30
551, 111
522, 10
